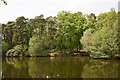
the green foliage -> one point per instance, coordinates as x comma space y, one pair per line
70, 30
66, 33
103, 43
36, 48
5, 47
106, 19
7, 31
16, 51
85, 40
16, 33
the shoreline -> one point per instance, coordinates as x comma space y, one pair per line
60, 56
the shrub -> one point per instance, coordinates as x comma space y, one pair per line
102, 43
85, 40
36, 47
16, 51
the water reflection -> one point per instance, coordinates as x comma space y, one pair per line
101, 69
60, 67
15, 68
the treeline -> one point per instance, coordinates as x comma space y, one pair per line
66, 32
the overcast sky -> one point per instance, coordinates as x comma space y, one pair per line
32, 8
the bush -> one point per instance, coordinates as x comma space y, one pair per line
36, 47
85, 40
102, 43
16, 51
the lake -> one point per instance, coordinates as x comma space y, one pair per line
59, 67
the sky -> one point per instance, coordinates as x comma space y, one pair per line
31, 8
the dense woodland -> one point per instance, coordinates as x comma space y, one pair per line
98, 36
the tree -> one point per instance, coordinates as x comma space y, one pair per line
5, 47
36, 48
67, 32
20, 28
103, 43
51, 31
85, 40
71, 27
7, 31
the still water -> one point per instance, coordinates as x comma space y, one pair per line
59, 67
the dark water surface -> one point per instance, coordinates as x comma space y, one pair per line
59, 67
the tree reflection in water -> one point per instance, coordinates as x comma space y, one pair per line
15, 68
59, 67
101, 69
